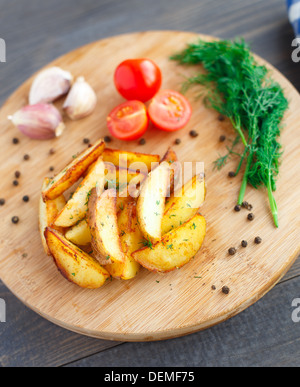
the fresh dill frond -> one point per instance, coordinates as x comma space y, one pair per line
239, 88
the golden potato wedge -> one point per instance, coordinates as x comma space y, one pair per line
184, 203
103, 224
175, 249
130, 160
80, 234
175, 169
151, 202
66, 178
76, 208
73, 263
48, 211
131, 239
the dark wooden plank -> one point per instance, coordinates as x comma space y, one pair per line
28, 340
37, 33
264, 335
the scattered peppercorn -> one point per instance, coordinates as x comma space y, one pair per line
178, 141
26, 157
86, 141
15, 219
17, 174
237, 208
51, 151
51, 169
222, 138
231, 174
225, 290
244, 243
221, 118
258, 240
232, 251
26, 199
2, 202
142, 141
107, 139
15, 183
245, 204
194, 134
15, 141
213, 287
250, 216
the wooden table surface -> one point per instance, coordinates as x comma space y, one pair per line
35, 34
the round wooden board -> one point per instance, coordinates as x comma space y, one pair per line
151, 306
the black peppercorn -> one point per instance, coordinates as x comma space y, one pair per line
257, 240
222, 138
26, 198
245, 204
15, 183
15, 219
244, 243
194, 134
213, 287
51, 169
2, 202
178, 141
51, 151
232, 251
107, 139
26, 157
142, 141
225, 290
250, 216
15, 141
221, 118
17, 174
231, 174
237, 208
86, 140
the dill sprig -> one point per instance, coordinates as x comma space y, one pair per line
240, 89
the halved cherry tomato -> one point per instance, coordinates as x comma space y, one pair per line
138, 79
170, 110
128, 121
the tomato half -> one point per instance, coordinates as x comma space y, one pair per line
138, 79
128, 121
170, 110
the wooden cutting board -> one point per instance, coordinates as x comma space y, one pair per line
151, 306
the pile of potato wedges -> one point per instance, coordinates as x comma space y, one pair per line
124, 212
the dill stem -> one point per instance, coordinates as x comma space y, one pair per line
245, 179
273, 204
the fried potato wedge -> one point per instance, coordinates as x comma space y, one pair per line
73, 263
48, 211
103, 224
80, 234
131, 240
175, 249
71, 174
184, 203
151, 202
130, 160
76, 208
175, 169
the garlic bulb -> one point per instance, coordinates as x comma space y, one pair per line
49, 85
81, 100
39, 122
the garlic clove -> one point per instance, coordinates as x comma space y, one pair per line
39, 122
49, 85
81, 100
